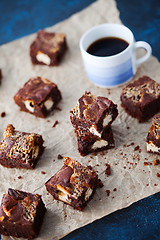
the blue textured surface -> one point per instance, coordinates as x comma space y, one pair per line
20, 18
141, 220
143, 17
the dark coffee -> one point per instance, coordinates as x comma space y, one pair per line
107, 46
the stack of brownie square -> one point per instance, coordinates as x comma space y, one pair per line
92, 118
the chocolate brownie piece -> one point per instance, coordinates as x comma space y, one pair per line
153, 137
21, 214
88, 142
0, 75
73, 184
39, 96
20, 149
141, 99
48, 48
93, 113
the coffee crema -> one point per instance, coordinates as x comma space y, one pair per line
108, 46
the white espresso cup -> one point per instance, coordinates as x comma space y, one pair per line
112, 71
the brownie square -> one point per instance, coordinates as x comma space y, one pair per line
88, 142
39, 96
93, 113
153, 137
73, 184
141, 99
20, 149
21, 214
48, 48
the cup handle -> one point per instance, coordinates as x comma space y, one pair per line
147, 47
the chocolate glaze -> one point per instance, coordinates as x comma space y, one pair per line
62, 177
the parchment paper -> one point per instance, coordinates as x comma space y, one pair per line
130, 177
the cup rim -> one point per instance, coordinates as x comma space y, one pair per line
101, 25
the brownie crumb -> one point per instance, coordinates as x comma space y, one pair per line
100, 184
19, 177
3, 114
128, 127
60, 156
89, 167
136, 148
158, 174
115, 189
56, 122
131, 144
155, 184
147, 184
156, 162
108, 192
108, 169
48, 120
43, 172
147, 163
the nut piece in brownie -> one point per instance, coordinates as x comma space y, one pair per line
141, 99
39, 96
88, 142
21, 214
20, 149
93, 113
153, 137
73, 184
0, 75
48, 48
